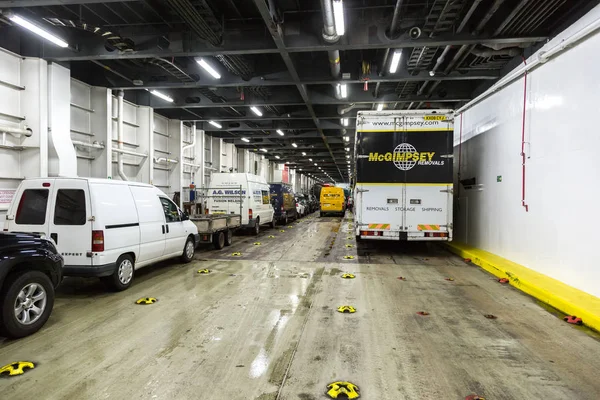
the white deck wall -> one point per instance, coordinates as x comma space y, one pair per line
558, 235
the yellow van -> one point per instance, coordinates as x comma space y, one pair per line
332, 200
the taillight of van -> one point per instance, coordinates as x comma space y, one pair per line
97, 241
281, 208
250, 213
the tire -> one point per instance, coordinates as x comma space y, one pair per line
272, 224
124, 268
358, 238
188, 251
11, 325
219, 240
285, 221
321, 214
257, 227
228, 237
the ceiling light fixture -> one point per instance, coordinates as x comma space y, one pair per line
316, 164
343, 90
310, 159
215, 124
256, 111
245, 140
380, 107
162, 96
303, 153
347, 148
265, 150
347, 138
277, 157
395, 61
338, 17
345, 121
278, 130
294, 144
38, 31
208, 68
347, 155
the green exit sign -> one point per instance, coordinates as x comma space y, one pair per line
499, 178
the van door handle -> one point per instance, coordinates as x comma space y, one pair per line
167, 228
163, 229
54, 236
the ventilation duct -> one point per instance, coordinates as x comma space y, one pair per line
113, 39
512, 52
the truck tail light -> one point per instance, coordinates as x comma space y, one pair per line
250, 213
281, 208
371, 233
436, 234
97, 241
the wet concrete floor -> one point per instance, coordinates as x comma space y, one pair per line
264, 326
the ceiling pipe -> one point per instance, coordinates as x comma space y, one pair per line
393, 31
165, 160
331, 36
513, 52
16, 132
120, 170
94, 145
442, 58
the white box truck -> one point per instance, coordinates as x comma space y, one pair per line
403, 175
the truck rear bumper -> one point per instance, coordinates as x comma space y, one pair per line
403, 236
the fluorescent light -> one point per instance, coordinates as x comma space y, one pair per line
265, 150
38, 31
277, 157
347, 155
380, 107
245, 140
215, 124
294, 144
348, 161
338, 17
162, 96
310, 159
347, 148
279, 131
316, 164
256, 111
395, 61
303, 153
209, 69
347, 138
343, 90
345, 121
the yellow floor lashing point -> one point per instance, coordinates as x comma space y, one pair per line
204, 271
236, 254
346, 309
257, 243
348, 257
271, 237
348, 276
349, 245
16, 368
282, 230
345, 390
146, 300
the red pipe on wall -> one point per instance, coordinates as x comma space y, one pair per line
523, 158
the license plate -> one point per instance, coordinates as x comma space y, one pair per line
327, 205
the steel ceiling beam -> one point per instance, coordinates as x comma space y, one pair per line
283, 79
40, 3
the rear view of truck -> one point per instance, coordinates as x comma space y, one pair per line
403, 175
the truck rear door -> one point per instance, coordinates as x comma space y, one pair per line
426, 161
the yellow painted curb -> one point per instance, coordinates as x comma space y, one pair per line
557, 294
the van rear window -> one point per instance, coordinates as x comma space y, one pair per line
70, 207
32, 207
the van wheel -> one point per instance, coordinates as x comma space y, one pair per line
26, 304
123, 276
272, 224
229, 237
285, 221
321, 214
257, 226
219, 240
188, 250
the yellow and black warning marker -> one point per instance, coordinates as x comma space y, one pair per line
348, 276
346, 309
146, 300
16, 368
257, 243
204, 271
450, 279
271, 236
349, 238
349, 245
282, 230
290, 226
348, 257
236, 254
423, 313
347, 390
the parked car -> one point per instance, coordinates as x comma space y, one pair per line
103, 228
283, 202
256, 207
314, 202
350, 203
332, 201
303, 199
300, 208
30, 269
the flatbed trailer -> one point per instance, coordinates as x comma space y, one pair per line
217, 228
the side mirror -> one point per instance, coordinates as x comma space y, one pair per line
185, 216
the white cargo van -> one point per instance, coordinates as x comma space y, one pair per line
227, 190
103, 228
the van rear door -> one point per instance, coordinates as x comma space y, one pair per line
30, 207
70, 223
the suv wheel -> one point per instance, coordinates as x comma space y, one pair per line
26, 303
188, 250
123, 276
